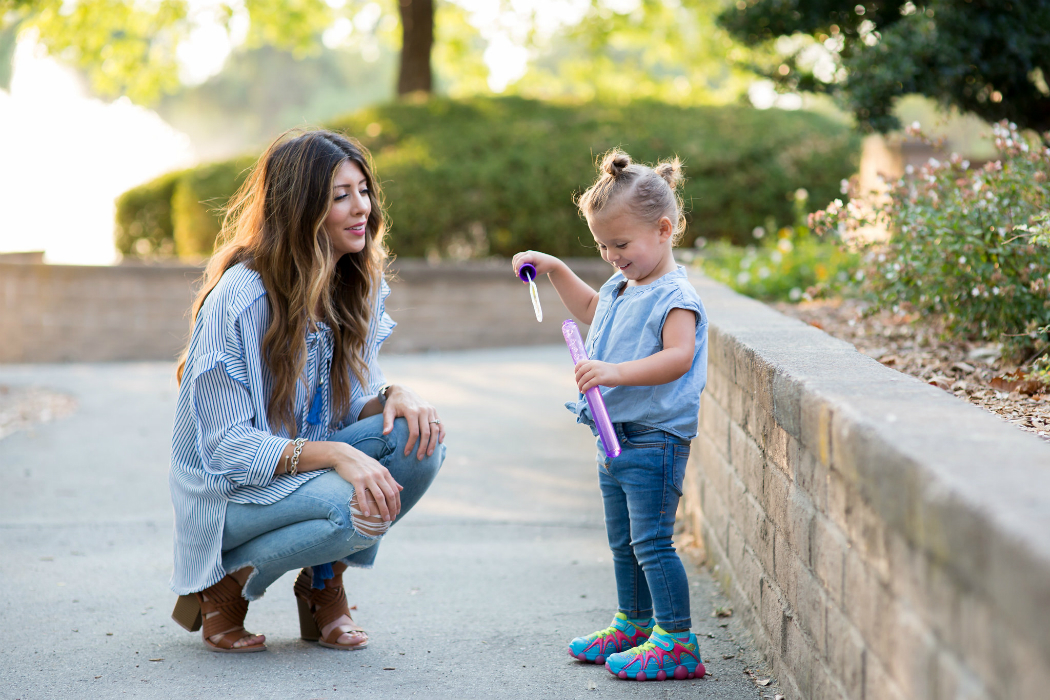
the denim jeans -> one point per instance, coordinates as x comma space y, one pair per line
313, 525
641, 489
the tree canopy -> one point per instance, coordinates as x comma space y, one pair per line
989, 57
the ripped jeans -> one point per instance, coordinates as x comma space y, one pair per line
314, 524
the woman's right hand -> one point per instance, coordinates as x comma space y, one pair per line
366, 474
543, 263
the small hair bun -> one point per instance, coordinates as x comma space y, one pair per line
615, 162
670, 171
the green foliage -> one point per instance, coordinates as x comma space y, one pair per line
789, 266
989, 58
497, 175
969, 244
196, 205
143, 221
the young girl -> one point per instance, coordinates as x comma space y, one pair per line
648, 348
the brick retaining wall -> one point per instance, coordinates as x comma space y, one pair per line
881, 538
64, 313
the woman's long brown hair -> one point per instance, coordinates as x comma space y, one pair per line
274, 224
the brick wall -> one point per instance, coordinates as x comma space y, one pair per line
65, 313
881, 538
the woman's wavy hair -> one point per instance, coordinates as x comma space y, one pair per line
274, 224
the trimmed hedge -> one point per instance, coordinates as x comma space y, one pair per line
492, 176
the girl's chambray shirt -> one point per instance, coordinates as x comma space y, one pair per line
629, 326
223, 447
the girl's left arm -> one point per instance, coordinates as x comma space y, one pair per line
679, 339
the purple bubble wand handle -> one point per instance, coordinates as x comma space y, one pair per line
593, 395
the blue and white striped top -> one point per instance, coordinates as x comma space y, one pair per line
223, 448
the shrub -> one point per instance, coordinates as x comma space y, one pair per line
789, 266
964, 243
470, 178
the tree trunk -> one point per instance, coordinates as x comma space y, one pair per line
417, 20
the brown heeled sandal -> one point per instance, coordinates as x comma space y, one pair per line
319, 608
193, 611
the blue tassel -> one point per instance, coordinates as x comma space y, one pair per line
322, 572
314, 417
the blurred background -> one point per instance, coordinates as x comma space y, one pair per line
485, 115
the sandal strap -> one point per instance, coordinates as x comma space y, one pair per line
225, 599
328, 604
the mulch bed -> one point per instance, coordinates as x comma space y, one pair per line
22, 407
974, 372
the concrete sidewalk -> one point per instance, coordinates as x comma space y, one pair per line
475, 594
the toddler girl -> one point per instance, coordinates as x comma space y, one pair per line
648, 348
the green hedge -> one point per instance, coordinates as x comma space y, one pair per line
491, 176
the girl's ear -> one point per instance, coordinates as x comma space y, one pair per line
665, 228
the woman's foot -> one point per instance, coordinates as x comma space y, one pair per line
223, 609
324, 616
621, 635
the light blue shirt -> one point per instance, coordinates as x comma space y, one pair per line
223, 448
629, 326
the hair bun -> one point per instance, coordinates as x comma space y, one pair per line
615, 162
670, 171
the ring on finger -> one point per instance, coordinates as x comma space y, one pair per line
435, 421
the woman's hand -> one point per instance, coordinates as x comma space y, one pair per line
366, 474
591, 373
423, 421
543, 263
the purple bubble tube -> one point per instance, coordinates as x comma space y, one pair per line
594, 397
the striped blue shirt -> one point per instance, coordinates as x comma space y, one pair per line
223, 448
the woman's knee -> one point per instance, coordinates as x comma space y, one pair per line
430, 463
373, 525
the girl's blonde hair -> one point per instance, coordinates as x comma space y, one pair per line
274, 224
649, 193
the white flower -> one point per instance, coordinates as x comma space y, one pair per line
975, 292
795, 294
744, 277
763, 273
962, 260
784, 245
995, 291
758, 232
844, 187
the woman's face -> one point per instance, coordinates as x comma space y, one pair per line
351, 206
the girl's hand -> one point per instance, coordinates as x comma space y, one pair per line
366, 474
423, 421
543, 263
591, 373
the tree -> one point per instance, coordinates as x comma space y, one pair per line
417, 24
131, 48
989, 57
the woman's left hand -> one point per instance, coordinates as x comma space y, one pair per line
423, 421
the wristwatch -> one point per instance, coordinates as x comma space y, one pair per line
382, 394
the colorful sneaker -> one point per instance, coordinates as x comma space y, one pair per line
620, 636
662, 657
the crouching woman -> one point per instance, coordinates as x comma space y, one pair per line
290, 450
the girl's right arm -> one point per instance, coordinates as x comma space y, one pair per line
576, 294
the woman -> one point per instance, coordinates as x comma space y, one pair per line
290, 450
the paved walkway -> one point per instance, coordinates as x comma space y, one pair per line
475, 594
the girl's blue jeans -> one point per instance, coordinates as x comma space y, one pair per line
313, 525
641, 489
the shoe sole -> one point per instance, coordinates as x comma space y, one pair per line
681, 673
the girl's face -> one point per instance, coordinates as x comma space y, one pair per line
641, 251
345, 223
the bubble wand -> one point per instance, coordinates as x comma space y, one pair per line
594, 396
527, 273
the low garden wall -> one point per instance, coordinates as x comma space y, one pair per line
881, 538
67, 313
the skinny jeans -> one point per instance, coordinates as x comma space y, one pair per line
641, 489
313, 525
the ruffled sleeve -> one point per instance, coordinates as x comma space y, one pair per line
226, 390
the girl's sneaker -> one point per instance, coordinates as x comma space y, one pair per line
620, 636
660, 658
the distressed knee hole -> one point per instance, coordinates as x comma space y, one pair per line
370, 525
